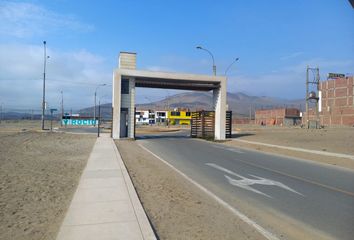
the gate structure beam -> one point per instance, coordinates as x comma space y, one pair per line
126, 78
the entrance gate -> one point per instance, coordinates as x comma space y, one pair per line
203, 124
126, 78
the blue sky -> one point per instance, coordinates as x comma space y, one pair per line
274, 40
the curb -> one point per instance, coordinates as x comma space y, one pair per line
145, 227
330, 154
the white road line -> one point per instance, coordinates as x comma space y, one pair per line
243, 217
227, 148
245, 183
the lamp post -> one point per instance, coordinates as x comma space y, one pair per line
212, 56
45, 65
94, 111
228, 68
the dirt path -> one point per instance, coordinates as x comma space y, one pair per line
39, 173
177, 209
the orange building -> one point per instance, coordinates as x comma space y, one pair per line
278, 116
337, 102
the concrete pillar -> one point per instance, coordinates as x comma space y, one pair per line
131, 120
116, 104
219, 103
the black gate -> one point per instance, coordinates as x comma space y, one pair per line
228, 130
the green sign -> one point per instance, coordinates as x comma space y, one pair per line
336, 75
80, 122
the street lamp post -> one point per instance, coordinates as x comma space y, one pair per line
94, 111
45, 65
228, 68
212, 56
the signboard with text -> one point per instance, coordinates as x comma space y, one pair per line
336, 75
80, 122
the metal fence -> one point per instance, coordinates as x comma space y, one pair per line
203, 124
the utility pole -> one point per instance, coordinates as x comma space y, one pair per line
312, 95
99, 118
62, 109
307, 95
94, 110
1, 113
250, 113
45, 63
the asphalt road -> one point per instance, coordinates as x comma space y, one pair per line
85, 130
283, 195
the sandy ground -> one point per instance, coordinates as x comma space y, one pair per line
336, 140
25, 125
177, 209
39, 173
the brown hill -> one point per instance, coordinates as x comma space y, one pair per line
239, 103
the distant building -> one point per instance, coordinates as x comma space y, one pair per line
142, 117
179, 117
151, 117
337, 102
278, 116
160, 117
145, 117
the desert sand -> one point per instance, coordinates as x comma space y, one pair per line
39, 172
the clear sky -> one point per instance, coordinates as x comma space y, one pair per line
274, 39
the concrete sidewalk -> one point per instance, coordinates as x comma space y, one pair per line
105, 205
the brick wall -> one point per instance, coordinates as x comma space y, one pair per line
275, 116
337, 102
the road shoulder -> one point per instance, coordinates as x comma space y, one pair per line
329, 160
177, 209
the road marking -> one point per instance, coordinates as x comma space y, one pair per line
298, 178
245, 183
227, 148
268, 235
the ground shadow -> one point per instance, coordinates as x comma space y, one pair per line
240, 135
140, 137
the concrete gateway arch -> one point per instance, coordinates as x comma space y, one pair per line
126, 78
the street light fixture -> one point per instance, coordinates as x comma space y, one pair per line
227, 69
94, 112
212, 56
45, 65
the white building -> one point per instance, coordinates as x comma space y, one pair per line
145, 117
160, 117
142, 117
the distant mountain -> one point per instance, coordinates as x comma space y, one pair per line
239, 103
14, 115
106, 111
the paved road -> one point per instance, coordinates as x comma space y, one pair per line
91, 130
283, 195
